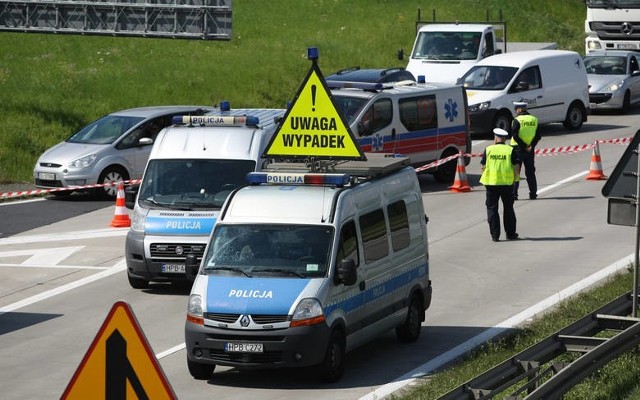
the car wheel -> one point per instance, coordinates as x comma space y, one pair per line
626, 103
447, 171
200, 371
109, 179
502, 121
575, 117
137, 283
332, 367
410, 330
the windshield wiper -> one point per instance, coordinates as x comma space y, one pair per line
281, 270
234, 269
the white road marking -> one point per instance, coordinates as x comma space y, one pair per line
62, 236
461, 349
42, 257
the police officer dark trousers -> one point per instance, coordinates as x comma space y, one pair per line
500, 166
525, 137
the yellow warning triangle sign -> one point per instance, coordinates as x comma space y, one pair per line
119, 363
313, 127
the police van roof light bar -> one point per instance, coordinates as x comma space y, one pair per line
296, 178
357, 85
215, 120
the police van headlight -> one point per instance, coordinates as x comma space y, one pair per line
194, 309
485, 105
83, 162
307, 312
138, 219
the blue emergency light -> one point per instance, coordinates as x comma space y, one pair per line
357, 85
312, 53
215, 120
296, 178
225, 106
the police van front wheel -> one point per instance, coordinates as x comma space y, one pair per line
332, 367
200, 371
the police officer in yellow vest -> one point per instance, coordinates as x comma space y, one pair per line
500, 166
525, 137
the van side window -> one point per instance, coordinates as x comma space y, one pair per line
374, 235
348, 246
378, 116
399, 225
529, 79
419, 113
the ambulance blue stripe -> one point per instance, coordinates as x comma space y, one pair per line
375, 292
242, 295
179, 226
416, 134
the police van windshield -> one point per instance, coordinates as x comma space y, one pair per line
487, 77
349, 106
191, 184
104, 130
296, 251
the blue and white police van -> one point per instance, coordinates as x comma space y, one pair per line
302, 267
194, 165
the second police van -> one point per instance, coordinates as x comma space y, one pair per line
426, 122
193, 167
302, 267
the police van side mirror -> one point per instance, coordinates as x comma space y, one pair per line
130, 194
192, 266
346, 273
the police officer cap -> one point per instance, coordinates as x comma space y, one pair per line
500, 132
519, 104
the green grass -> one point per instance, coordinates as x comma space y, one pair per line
51, 85
618, 380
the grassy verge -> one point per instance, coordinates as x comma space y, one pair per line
51, 85
620, 379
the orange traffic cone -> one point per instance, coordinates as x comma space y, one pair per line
595, 169
121, 217
460, 183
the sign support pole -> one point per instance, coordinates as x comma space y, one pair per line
637, 255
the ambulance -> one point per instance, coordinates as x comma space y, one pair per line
426, 122
303, 266
193, 166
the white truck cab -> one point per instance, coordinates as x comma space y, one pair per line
193, 167
302, 267
426, 122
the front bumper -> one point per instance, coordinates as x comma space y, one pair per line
481, 122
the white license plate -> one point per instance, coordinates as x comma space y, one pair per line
173, 268
243, 347
47, 176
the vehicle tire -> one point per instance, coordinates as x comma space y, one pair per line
626, 103
109, 178
200, 371
62, 194
332, 367
503, 121
410, 330
137, 283
447, 171
575, 117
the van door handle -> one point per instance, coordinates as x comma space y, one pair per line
540, 96
363, 286
393, 133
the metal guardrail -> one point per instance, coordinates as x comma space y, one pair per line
543, 372
186, 19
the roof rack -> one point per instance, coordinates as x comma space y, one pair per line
376, 165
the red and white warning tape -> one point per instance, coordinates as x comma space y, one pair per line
36, 192
550, 151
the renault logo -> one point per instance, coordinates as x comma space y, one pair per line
626, 28
244, 321
179, 250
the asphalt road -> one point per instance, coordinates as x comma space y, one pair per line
59, 281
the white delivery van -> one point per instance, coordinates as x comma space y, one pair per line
303, 267
426, 122
193, 167
552, 82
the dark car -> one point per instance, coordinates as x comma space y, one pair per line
373, 75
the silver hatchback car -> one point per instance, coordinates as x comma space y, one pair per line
111, 149
614, 79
